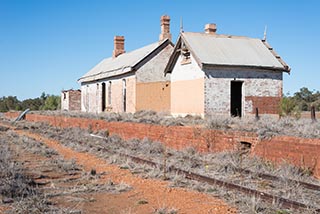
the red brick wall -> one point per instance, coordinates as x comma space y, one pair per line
74, 100
299, 151
266, 105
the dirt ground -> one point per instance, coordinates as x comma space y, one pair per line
145, 195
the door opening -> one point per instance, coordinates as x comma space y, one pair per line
124, 95
236, 98
103, 96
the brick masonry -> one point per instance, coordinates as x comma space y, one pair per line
266, 105
71, 100
298, 151
261, 88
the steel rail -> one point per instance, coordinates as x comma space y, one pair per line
285, 203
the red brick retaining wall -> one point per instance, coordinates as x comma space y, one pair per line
299, 151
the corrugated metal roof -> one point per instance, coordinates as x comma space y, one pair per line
231, 50
119, 65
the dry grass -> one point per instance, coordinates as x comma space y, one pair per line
266, 127
220, 166
23, 193
18, 188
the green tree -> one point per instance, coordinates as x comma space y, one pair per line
305, 98
44, 102
32, 104
9, 103
52, 102
3, 106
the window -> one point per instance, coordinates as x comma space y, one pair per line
109, 93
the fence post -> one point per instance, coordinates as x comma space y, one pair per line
257, 114
313, 114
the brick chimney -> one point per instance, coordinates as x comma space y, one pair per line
165, 28
210, 28
118, 46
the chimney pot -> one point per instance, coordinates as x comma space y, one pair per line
118, 46
210, 28
165, 28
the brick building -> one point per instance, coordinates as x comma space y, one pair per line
223, 74
71, 100
128, 82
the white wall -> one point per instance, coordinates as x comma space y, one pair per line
91, 94
64, 101
187, 89
189, 71
256, 83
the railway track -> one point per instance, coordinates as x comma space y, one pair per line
267, 197
276, 178
285, 203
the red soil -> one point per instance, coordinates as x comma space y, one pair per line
156, 193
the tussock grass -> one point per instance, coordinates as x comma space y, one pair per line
19, 188
266, 127
219, 165
24, 194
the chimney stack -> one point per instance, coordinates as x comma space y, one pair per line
118, 46
165, 28
210, 28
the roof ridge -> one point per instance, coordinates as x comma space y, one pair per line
220, 35
124, 63
241, 51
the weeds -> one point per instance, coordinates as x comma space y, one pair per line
265, 127
165, 210
219, 165
25, 195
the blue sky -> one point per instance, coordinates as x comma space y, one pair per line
46, 45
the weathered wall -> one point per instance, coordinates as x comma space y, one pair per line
187, 89
148, 96
153, 96
260, 87
91, 96
71, 100
64, 100
299, 151
266, 105
74, 100
153, 70
153, 88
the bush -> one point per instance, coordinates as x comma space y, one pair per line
289, 107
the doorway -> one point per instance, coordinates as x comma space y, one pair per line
103, 96
236, 98
124, 95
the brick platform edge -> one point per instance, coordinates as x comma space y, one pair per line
298, 151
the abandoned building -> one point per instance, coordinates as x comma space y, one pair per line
133, 81
70, 100
222, 74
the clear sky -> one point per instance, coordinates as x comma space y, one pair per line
46, 45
